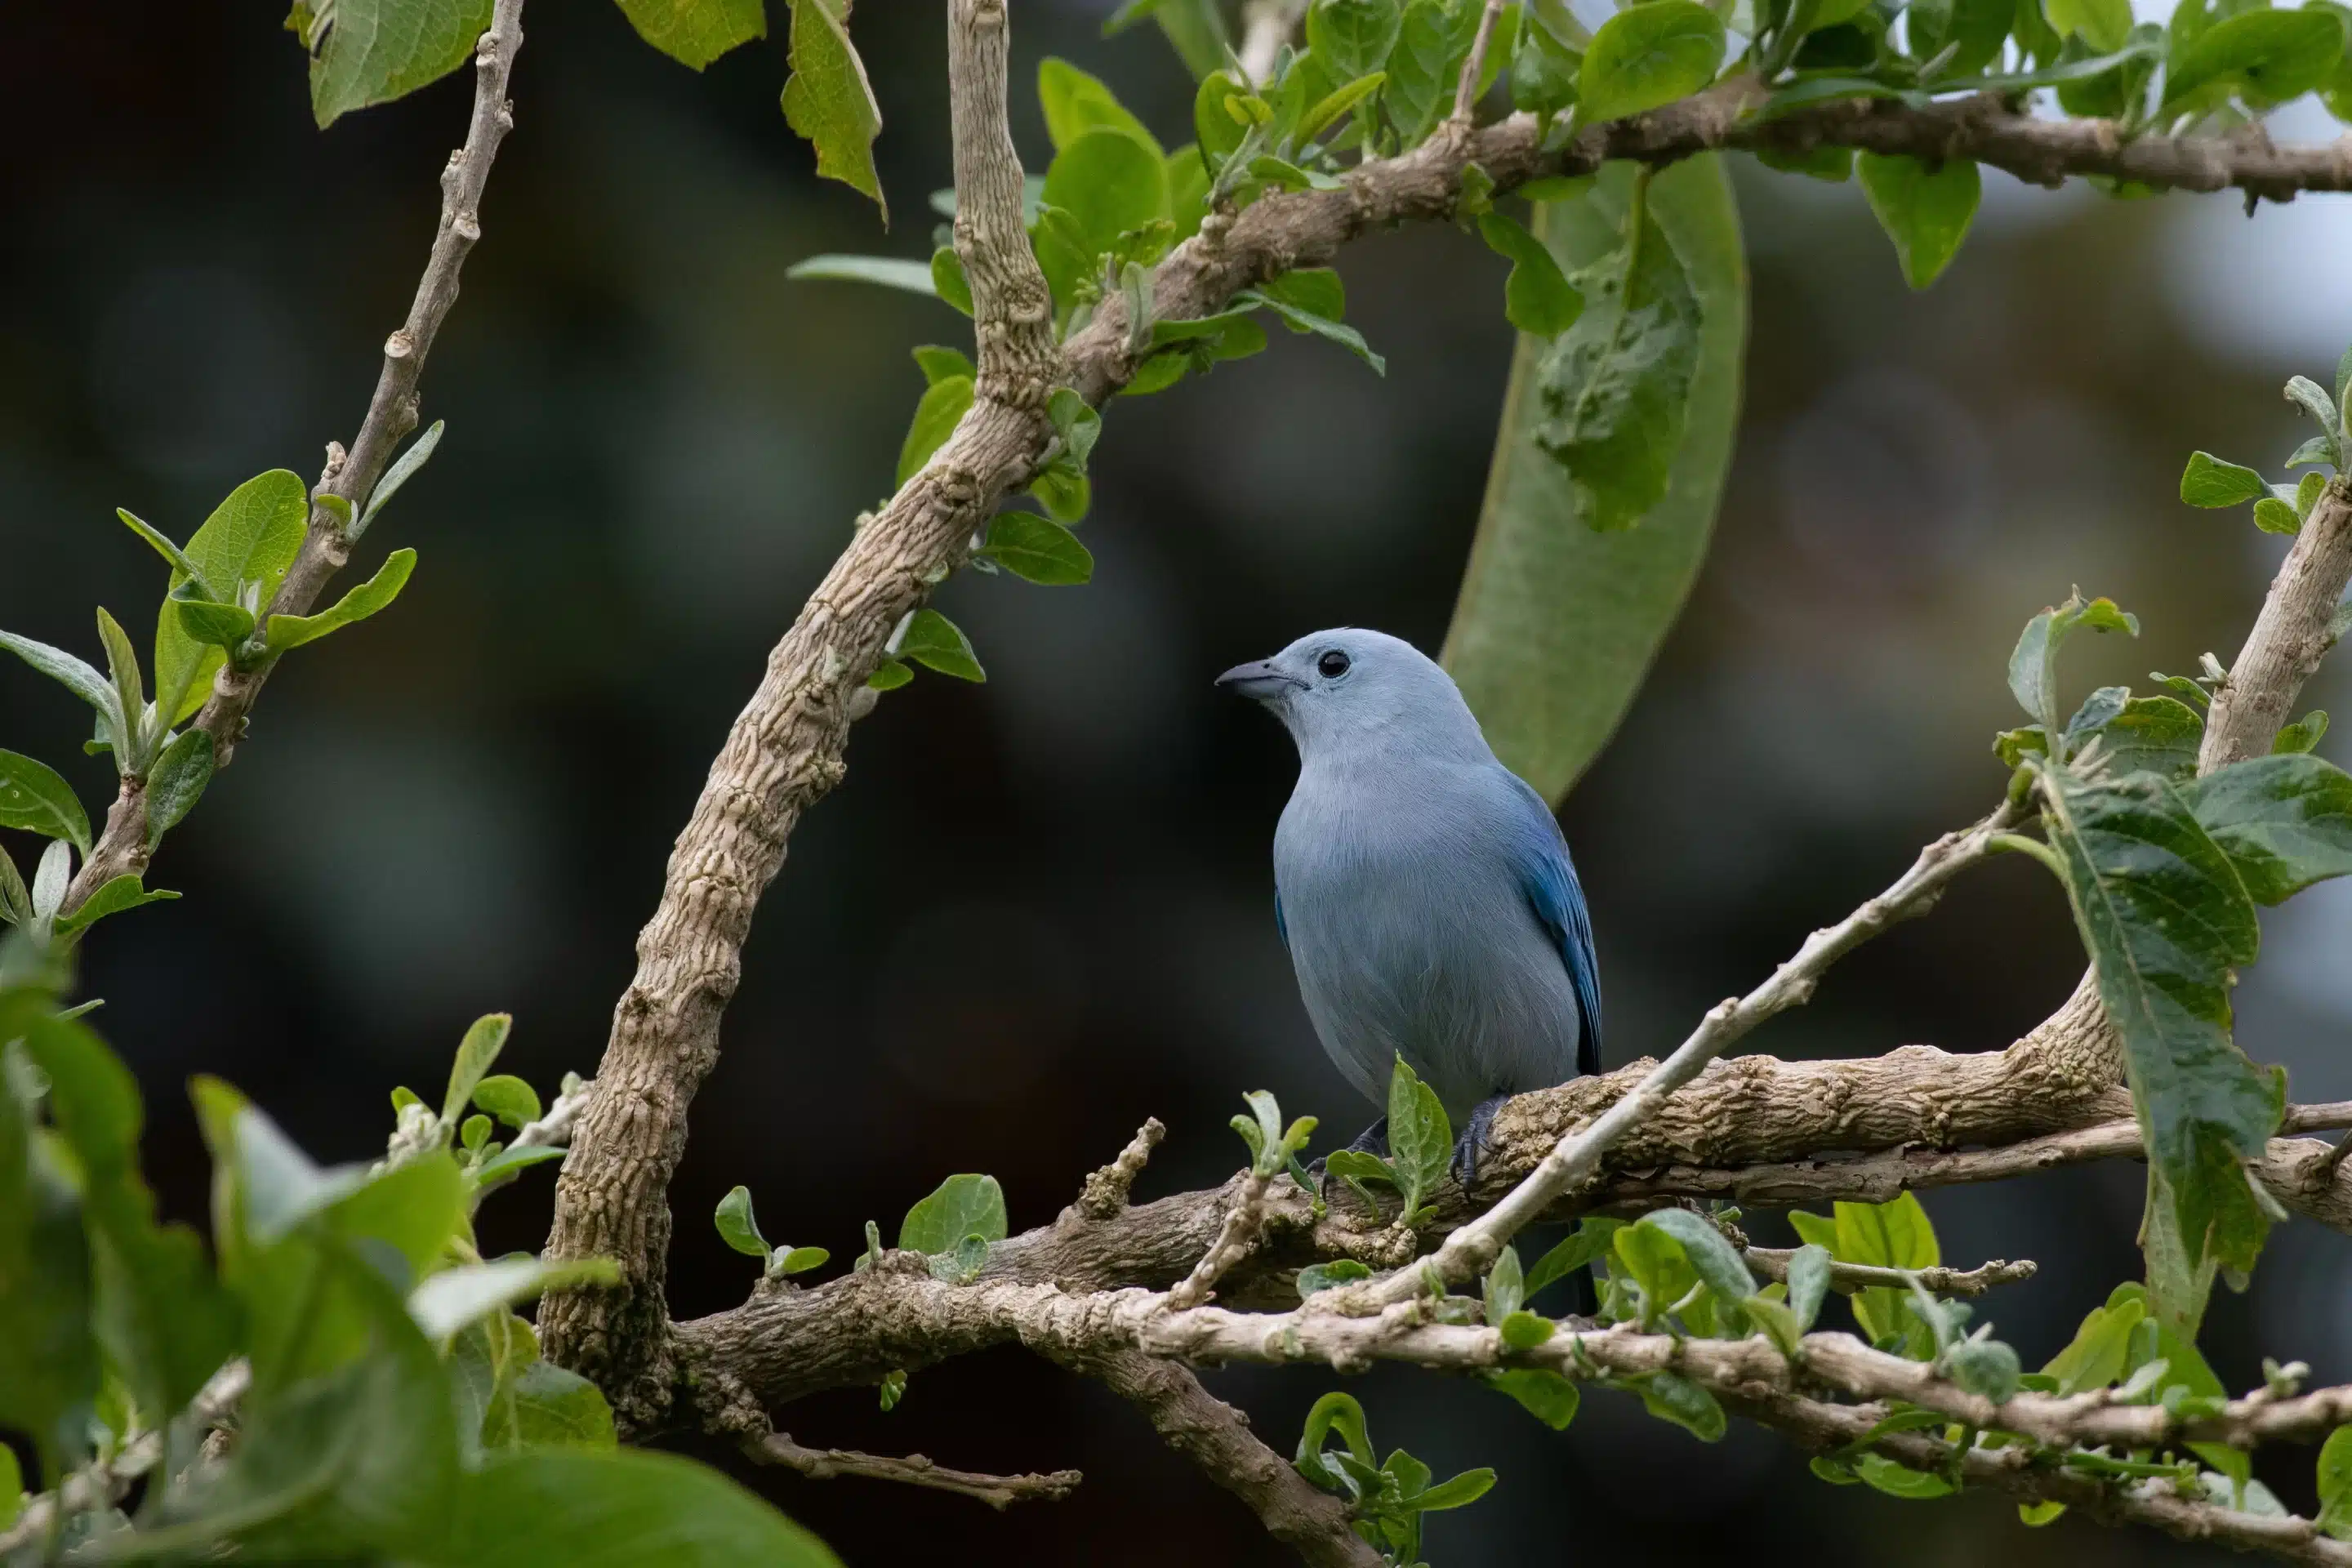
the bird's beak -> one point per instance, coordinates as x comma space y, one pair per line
1259, 681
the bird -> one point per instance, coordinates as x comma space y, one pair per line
1423, 891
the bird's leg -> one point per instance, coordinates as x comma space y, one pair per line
1473, 1142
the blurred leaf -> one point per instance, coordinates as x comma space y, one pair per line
48, 1358
939, 363
2266, 56
558, 1507
1352, 37
2284, 821
1897, 1480
2208, 481
960, 1206
888, 271
456, 1297
1925, 212
1557, 624
509, 1098
251, 537
175, 782
1537, 296
936, 643
1648, 56
737, 1226
697, 32
34, 797
1075, 102
2335, 1485
378, 591
2167, 919
485, 1038
828, 101
378, 51
1973, 29
2102, 23
944, 403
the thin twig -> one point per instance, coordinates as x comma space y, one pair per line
1465, 92
999, 1492
122, 848
1106, 1190
1245, 1223
105, 1482
1772, 1262
1266, 25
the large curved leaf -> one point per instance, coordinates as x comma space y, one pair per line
1558, 623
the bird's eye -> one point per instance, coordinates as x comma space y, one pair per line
1333, 665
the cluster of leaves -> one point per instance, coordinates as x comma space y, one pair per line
2165, 871
1421, 1149
221, 584
1387, 1498
396, 1405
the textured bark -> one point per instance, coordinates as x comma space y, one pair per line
2289, 637
781, 755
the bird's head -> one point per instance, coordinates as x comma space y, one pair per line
1350, 687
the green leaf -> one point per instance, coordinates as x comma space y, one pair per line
1556, 626
960, 1206
2284, 821
2154, 734
737, 1226
1063, 491
378, 51
943, 404
1537, 296
2167, 921
948, 279
1925, 212
508, 1161
509, 1098
1524, 1331
2272, 515
1424, 67
887, 271
1545, 72
1809, 1283
697, 32
1898, 1480
941, 364
2335, 1485
1711, 1255
250, 538
535, 1507
2102, 23
1337, 102
936, 643
1648, 56
404, 468
801, 1259
1669, 1395
1299, 319
1108, 182
217, 626
1592, 1240
1351, 39
1338, 1412
1075, 103
173, 556
378, 591
485, 1038
2303, 735
1506, 1286
1075, 421
2097, 1355
48, 1358
828, 101
1546, 1395
112, 898
16, 899
34, 797
1218, 134
2208, 481
454, 1298
2034, 664
1325, 1275
1038, 550
175, 782
1974, 30
2263, 57
1421, 1139
889, 675
74, 675
1458, 1491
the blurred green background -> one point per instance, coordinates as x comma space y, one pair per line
1037, 912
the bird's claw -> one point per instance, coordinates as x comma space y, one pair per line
1474, 1139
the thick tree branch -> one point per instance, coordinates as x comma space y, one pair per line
999, 1492
2289, 637
122, 849
1217, 1436
783, 754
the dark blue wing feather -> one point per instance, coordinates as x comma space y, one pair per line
1280, 930
1558, 900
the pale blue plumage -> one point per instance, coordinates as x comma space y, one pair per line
1423, 891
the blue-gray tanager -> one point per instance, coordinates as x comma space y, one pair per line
1424, 889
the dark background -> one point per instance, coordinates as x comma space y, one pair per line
1037, 912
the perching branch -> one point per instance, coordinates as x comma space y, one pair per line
122, 849
2289, 635
783, 754
999, 1492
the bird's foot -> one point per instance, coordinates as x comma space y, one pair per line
1372, 1140
1474, 1139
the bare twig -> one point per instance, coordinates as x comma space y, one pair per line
1106, 1192
1467, 1252
1245, 1223
2289, 635
783, 753
1465, 92
104, 1483
1217, 1436
1772, 1263
122, 849
999, 1492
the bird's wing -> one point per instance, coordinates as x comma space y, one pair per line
1280, 929
1548, 876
